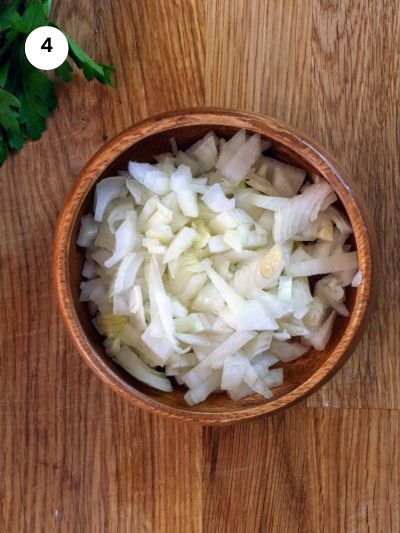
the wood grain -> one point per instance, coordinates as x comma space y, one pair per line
74, 456
258, 57
317, 470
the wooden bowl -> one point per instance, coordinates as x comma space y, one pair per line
139, 143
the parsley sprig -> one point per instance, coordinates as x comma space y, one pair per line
27, 95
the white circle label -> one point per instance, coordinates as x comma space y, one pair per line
46, 48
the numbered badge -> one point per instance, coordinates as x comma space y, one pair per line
46, 48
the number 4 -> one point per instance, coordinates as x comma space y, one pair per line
47, 45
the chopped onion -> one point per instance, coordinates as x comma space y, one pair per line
125, 240
126, 274
105, 239
299, 211
332, 293
136, 307
320, 338
196, 283
151, 177
234, 371
236, 167
260, 184
215, 199
107, 190
229, 220
88, 231
137, 190
274, 378
272, 203
230, 148
120, 210
357, 279
287, 351
260, 343
200, 392
325, 265
89, 269
192, 323
208, 300
286, 179
181, 242
183, 159
181, 184
205, 152
200, 264
216, 358
135, 366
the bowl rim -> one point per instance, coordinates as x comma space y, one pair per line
297, 142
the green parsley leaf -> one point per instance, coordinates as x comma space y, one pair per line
9, 111
16, 139
38, 98
91, 70
47, 6
4, 74
64, 71
33, 17
27, 95
8, 15
3, 148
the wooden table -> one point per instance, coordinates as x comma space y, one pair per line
74, 456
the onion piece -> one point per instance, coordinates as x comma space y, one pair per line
200, 392
243, 314
288, 351
107, 190
178, 310
183, 159
105, 239
357, 280
260, 343
125, 240
229, 220
192, 323
208, 300
325, 265
162, 325
136, 307
216, 358
205, 152
274, 378
215, 199
138, 369
330, 291
234, 371
126, 273
88, 231
139, 193
89, 269
299, 211
181, 242
119, 211
181, 184
286, 179
195, 284
320, 338
272, 203
150, 176
237, 166
230, 148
